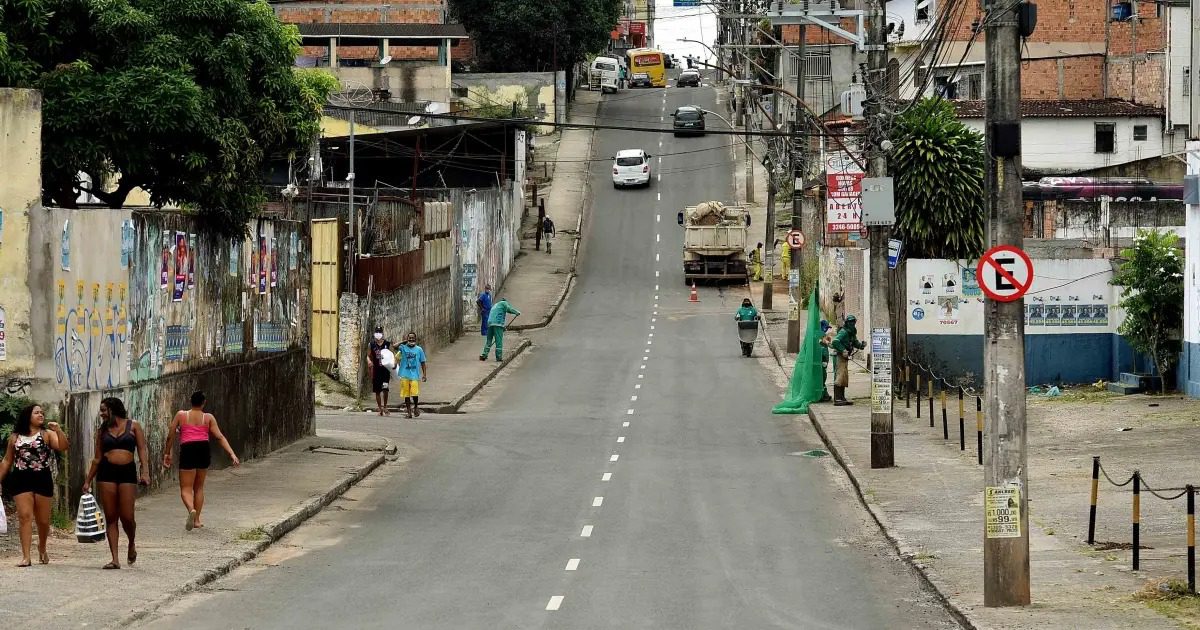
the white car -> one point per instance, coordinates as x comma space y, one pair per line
631, 167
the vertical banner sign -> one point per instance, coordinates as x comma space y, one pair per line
881, 370
843, 194
264, 265
3, 335
181, 262
191, 272
164, 272
274, 262
1002, 511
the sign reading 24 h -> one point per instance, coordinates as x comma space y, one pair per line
843, 194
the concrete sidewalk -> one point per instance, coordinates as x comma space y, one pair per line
247, 509
930, 505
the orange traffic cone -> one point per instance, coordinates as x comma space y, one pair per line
695, 297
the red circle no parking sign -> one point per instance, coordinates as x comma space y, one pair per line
1004, 273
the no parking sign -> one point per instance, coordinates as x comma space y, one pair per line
1004, 273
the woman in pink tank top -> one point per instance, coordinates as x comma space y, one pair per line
196, 430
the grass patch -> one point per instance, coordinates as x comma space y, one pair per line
61, 519
922, 557
1171, 598
1095, 393
253, 535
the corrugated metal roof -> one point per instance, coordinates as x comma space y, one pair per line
378, 31
1095, 108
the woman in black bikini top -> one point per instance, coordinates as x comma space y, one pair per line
117, 439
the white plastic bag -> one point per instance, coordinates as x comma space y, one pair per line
3, 519
387, 359
89, 520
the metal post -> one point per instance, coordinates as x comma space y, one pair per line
918, 388
962, 428
979, 429
1005, 549
882, 437
931, 400
1137, 520
355, 228
1095, 498
908, 388
1191, 538
945, 424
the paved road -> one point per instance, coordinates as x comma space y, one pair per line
627, 474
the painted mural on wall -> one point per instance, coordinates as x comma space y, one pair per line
1067, 296
155, 299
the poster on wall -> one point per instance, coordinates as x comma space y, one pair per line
1035, 314
294, 251
262, 262
3, 335
843, 196
927, 284
947, 310
1099, 315
1054, 315
181, 261
1070, 313
274, 262
970, 284
235, 250
164, 273
191, 269
127, 234
950, 283
66, 245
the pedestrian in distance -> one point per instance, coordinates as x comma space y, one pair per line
484, 305
26, 473
196, 429
497, 323
118, 477
845, 342
547, 231
756, 262
826, 341
381, 374
410, 366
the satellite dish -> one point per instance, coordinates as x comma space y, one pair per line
414, 120
386, 60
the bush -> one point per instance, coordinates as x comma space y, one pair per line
10, 406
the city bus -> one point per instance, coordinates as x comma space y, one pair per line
646, 68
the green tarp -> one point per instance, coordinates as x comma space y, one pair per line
808, 376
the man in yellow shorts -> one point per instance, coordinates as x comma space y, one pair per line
410, 367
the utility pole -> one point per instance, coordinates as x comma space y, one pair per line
768, 289
355, 228
747, 73
1005, 552
799, 169
875, 79
1194, 75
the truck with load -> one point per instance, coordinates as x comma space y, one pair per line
714, 242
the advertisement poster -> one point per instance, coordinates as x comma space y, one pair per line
881, 370
274, 262
1099, 315
263, 262
1053, 315
164, 273
843, 196
947, 308
235, 251
181, 263
970, 284
1070, 315
66, 245
191, 269
3, 335
1035, 314
294, 252
127, 234
1002, 511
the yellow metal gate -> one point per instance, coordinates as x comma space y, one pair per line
325, 275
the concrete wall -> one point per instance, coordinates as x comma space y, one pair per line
1068, 145
407, 81
1189, 368
1178, 57
20, 196
529, 90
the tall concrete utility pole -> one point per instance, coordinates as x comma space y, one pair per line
746, 116
1194, 102
769, 238
882, 439
1005, 552
799, 170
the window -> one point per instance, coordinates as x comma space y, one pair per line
629, 161
1139, 132
974, 87
1106, 137
924, 10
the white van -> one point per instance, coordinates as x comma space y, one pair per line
605, 74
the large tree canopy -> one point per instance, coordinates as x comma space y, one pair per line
519, 35
937, 164
186, 99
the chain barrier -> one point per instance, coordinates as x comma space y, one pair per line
915, 375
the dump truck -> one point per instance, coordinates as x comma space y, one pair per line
714, 242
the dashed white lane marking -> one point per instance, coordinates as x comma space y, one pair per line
572, 564
638, 386
555, 602
606, 477
629, 412
656, 297
660, 143
656, 287
646, 358
653, 319
598, 501
633, 399
620, 439
587, 531
651, 334
660, 196
656, 271
656, 260
658, 217
649, 342
614, 458
656, 312
643, 367
625, 424
658, 238
660, 177
660, 159
641, 375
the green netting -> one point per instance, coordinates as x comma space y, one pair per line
808, 376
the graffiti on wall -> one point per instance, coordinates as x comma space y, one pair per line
90, 336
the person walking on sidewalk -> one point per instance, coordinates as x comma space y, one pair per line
196, 429
756, 262
484, 304
27, 466
410, 364
843, 344
547, 231
116, 440
381, 374
497, 323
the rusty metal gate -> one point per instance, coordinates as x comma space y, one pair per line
325, 280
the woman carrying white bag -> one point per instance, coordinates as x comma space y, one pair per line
26, 474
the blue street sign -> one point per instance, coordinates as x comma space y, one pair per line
894, 247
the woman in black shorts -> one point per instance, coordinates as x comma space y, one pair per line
116, 440
25, 471
196, 430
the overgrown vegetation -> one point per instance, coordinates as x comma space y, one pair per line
10, 406
938, 168
186, 99
1151, 274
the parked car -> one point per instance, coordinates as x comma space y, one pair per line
689, 120
688, 77
631, 167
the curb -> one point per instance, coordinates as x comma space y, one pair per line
462, 400
274, 532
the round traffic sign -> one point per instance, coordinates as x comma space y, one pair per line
795, 239
1004, 273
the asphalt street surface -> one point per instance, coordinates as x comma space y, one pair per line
626, 473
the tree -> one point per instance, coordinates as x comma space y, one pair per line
187, 99
937, 163
524, 36
1151, 274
